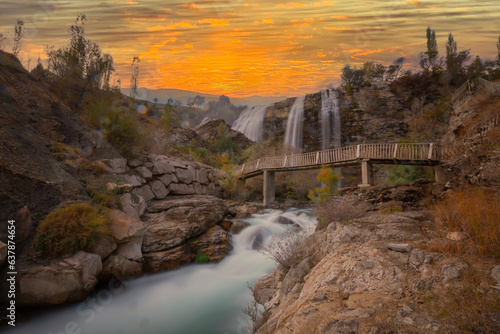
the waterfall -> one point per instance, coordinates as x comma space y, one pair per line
330, 119
295, 125
251, 123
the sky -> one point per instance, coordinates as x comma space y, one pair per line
259, 47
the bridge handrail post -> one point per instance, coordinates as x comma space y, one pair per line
358, 151
257, 165
286, 160
242, 169
431, 148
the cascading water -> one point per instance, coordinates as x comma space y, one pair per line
330, 119
295, 125
251, 123
197, 298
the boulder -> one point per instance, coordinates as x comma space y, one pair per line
226, 225
3, 252
158, 189
495, 273
114, 166
133, 205
134, 180
103, 248
168, 260
168, 178
239, 226
175, 220
215, 243
119, 188
181, 189
144, 172
131, 250
145, 192
184, 175
22, 222
69, 280
202, 176
402, 248
134, 163
162, 167
118, 267
124, 228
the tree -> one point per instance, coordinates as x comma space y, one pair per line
155, 100
455, 60
395, 68
429, 60
352, 76
373, 72
199, 100
135, 76
476, 68
18, 36
166, 118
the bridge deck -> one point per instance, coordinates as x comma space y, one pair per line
401, 153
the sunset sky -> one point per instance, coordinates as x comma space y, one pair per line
258, 47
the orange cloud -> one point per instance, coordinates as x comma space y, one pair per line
181, 25
291, 4
214, 22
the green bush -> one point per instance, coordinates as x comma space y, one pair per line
202, 258
223, 141
69, 229
400, 174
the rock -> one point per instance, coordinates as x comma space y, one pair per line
134, 180
215, 243
453, 270
168, 178
175, 220
258, 239
3, 252
124, 228
265, 288
456, 236
145, 192
162, 167
103, 248
118, 267
199, 189
134, 163
202, 176
226, 225
131, 250
133, 205
69, 280
495, 273
286, 221
181, 189
119, 188
22, 222
158, 189
402, 248
168, 260
240, 215
239, 226
114, 166
184, 175
342, 327
144, 172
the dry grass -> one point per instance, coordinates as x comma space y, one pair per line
62, 151
342, 209
93, 168
69, 229
477, 214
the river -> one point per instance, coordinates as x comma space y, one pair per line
198, 298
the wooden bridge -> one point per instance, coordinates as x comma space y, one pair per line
424, 154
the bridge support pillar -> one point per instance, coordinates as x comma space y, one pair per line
439, 174
366, 173
269, 188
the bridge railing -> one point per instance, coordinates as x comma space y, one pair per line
400, 151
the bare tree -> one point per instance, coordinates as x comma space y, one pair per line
18, 36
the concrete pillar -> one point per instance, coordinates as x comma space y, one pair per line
366, 173
269, 188
439, 174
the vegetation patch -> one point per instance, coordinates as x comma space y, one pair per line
69, 229
61, 151
340, 209
202, 258
474, 212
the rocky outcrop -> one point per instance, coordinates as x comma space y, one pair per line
360, 275
128, 234
180, 228
118, 267
3, 252
63, 281
208, 130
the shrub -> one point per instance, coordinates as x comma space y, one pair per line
474, 212
106, 199
402, 174
202, 258
286, 249
62, 151
93, 167
223, 142
329, 182
69, 229
341, 209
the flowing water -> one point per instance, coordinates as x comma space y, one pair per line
330, 119
295, 125
251, 123
199, 298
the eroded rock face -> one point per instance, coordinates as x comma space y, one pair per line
168, 260
128, 234
358, 272
118, 267
67, 280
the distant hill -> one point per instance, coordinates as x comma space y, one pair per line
183, 96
